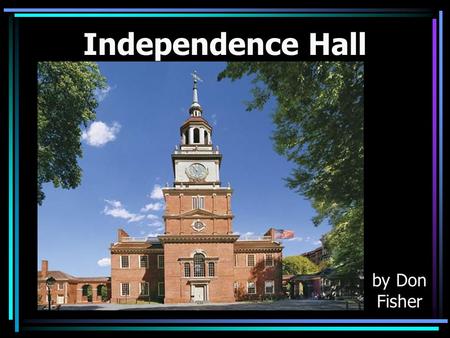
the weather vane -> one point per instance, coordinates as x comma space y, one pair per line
196, 77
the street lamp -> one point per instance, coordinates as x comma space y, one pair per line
49, 282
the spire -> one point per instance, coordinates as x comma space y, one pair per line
195, 109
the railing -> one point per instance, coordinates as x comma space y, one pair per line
139, 239
254, 238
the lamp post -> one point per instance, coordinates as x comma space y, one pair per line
49, 282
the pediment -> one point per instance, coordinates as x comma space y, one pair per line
198, 212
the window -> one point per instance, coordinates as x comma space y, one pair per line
269, 260
160, 289
198, 202
251, 288
205, 135
187, 270
196, 135
235, 260
250, 260
236, 286
143, 261
124, 289
199, 265
144, 289
124, 262
160, 261
60, 286
269, 287
211, 269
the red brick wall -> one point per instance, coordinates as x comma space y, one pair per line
177, 203
177, 287
258, 274
134, 275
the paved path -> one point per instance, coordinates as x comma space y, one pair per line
283, 305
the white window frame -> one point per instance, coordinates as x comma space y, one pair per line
140, 265
121, 289
254, 260
121, 265
265, 260
198, 202
273, 287
184, 269
253, 293
209, 269
161, 286
140, 289
158, 261
60, 283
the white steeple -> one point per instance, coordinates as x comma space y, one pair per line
195, 109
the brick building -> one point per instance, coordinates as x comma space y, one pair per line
69, 289
198, 258
317, 255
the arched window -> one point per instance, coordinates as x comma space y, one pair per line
199, 265
196, 135
206, 137
186, 137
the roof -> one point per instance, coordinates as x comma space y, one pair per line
136, 245
93, 279
195, 119
257, 246
58, 275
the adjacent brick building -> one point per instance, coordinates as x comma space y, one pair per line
69, 289
198, 258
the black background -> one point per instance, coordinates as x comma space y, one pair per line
398, 173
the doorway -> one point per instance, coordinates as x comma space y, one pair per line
199, 293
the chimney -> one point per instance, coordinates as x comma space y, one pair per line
44, 268
120, 234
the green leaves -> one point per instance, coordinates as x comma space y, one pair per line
66, 100
319, 127
298, 265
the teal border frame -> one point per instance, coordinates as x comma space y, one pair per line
13, 157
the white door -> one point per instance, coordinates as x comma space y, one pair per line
199, 293
60, 300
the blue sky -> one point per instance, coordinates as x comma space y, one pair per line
126, 156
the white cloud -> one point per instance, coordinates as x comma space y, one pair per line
101, 94
152, 206
99, 133
296, 239
214, 119
317, 242
248, 233
104, 262
151, 216
155, 224
116, 209
156, 193
154, 234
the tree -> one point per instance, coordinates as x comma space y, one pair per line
319, 127
298, 265
66, 101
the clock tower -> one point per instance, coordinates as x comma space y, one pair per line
198, 240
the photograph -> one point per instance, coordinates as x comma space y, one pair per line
167, 186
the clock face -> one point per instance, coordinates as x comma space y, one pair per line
197, 171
